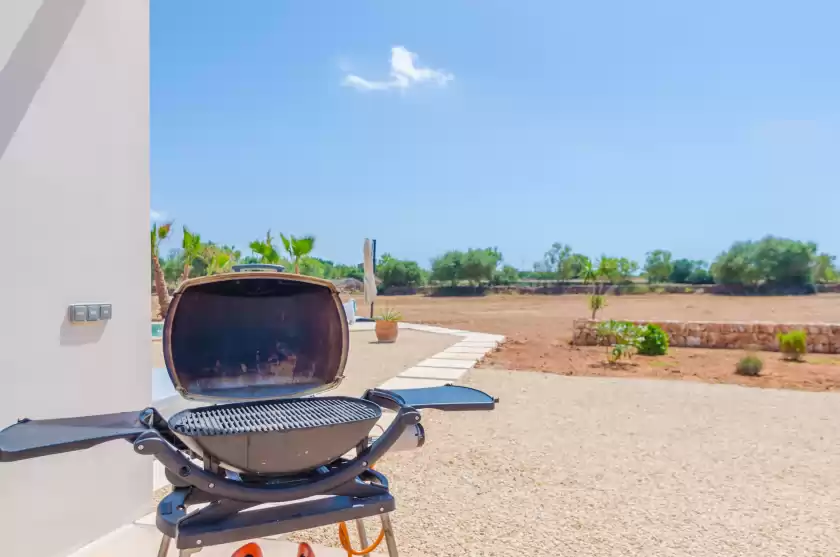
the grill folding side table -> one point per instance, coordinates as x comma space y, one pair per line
265, 457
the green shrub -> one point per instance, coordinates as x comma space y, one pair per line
653, 341
793, 345
621, 338
395, 272
506, 276
749, 365
597, 303
636, 289
771, 262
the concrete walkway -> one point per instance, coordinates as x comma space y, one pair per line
460, 352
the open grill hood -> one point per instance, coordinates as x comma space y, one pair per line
255, 335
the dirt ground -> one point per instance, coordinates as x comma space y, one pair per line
539, 329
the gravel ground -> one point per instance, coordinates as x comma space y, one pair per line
598, 466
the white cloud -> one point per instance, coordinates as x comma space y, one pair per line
404, 74
156, 216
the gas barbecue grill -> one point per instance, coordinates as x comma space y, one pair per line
256, 346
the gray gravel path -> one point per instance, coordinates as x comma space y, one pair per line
616, 467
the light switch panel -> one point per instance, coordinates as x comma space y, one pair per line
85, 313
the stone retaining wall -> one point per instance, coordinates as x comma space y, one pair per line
822, 337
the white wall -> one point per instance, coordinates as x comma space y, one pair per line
74, 206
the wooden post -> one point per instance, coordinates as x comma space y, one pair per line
374, 275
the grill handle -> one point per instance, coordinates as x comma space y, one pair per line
36, 438
257, 267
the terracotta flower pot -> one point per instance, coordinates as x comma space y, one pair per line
387, 331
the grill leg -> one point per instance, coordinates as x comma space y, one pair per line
360, 527
390, 541
164, 546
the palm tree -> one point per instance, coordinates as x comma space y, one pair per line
235, 254
589, 273
607, 268
160, 233
298, 248
218, 260
193, 248
266, 250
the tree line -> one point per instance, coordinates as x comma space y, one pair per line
769, 263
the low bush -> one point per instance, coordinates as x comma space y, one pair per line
793, 345
636, 289
597, 303
506, 276
749, 365
653, 341
620, 337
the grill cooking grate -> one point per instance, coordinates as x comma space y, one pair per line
279, 415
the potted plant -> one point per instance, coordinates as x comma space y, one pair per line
387, 325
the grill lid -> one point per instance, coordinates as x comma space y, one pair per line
255, 335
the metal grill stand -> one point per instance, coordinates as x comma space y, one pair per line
346, 490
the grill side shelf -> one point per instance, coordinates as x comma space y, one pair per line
452, 398
36, 438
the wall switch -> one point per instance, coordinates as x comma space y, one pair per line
77, 313
93, 313
105, 312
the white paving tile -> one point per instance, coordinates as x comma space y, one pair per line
147, 520
459, 356
449, 363
412, 383
483, 337
466, 343
419, 326
476, 350
448, 374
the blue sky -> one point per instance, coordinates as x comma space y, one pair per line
616, 127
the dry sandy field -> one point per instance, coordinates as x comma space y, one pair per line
539, 329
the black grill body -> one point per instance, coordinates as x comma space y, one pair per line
277, 437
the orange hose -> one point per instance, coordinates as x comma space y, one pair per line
344, 538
